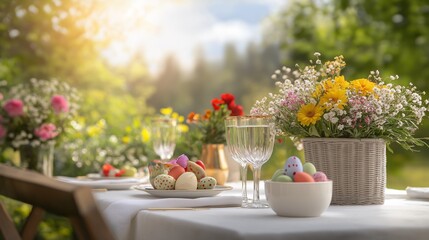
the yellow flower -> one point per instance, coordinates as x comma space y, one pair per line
332, 97
318, 91
309, 114
145, 134
341, 82
166, 111
181, 119
126, 139
128, 129
362, 85
183, 128
338, 82
175, 115
97, 129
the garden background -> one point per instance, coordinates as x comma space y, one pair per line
68, 40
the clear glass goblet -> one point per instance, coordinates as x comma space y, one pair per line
231, 135
256, 143
163, 137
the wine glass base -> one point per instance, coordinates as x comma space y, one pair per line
257, 205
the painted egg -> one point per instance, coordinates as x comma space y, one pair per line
187, 181
156, 168
292, 166
278, 173
176, 171
196, 169
320, 177
303, 177
283, 178
182, 160
309, 168
207, 183
164, 182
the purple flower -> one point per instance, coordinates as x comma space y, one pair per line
46, 131
14, 107
59, 104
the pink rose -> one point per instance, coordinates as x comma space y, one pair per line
3, 131
59, 104
14, 107
46, 131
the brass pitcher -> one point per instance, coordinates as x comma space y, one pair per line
213, 156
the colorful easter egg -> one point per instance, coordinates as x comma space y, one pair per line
182, 160
176, 171
278, 173
292, 166
196, 169
320, 177
164, 182
309, 168
207, 183
283, 178
187, 181
156, 167
303, 177
201, 164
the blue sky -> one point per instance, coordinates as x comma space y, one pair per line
158, 28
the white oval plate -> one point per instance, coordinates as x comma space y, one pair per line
97, 176
183, 193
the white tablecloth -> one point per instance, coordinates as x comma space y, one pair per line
398, 218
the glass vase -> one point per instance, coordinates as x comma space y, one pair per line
38, 158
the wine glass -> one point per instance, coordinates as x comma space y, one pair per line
231, 135
256, 143
164, 137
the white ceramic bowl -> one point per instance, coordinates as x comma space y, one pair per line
291, 199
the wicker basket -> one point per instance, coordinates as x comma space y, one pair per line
357, 167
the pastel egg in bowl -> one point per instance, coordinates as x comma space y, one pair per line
298, 199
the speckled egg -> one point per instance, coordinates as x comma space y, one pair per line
196, 169
320, 177
164, 182
292, 166
207, 183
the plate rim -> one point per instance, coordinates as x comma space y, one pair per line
193, 193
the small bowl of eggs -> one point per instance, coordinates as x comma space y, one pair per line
298, 190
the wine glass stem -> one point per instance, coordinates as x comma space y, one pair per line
243, 173
256, 177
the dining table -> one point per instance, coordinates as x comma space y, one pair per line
136, 214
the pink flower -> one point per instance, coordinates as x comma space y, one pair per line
46, 131
3, 131
59, 104
14, 107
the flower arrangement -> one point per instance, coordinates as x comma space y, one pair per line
35, 113
317, 101
211, 125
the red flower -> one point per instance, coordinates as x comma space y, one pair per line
228, 98
236, 110
216, 103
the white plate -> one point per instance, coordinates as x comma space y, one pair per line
97, 176
102, 184
183, 193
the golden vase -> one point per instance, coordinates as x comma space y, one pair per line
213, 156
